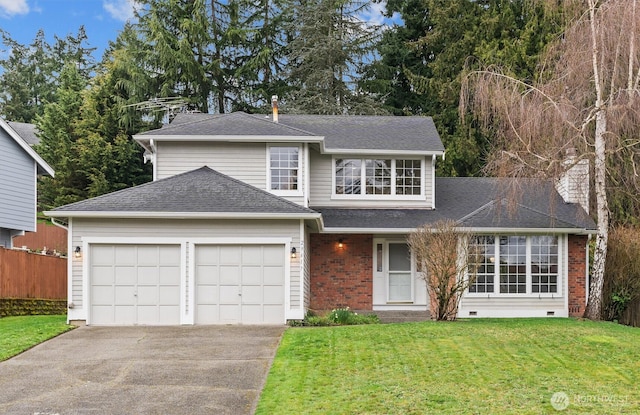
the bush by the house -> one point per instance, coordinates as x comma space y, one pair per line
622, 273
336, 317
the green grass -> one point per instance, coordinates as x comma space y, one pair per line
467, 367
18, 334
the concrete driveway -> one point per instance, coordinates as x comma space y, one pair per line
141, 370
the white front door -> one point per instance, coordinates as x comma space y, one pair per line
400, 280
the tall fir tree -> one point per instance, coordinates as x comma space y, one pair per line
329, 47
58, 137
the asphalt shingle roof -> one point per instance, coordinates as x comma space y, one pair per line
473, 202
339, 132
203, 190
26, 131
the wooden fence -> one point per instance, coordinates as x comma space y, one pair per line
50, 236
27, 275
631, 316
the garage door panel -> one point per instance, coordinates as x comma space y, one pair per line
169, 275
124, 315
103, 275
124, 255
208, 314
148, 275
230, 274
251, 294
273, 314
207, 294
102, 295
230, 254
169, 296
125, 275
273, 295
229, 294
273, 275
207, 274
102, 255
207, 255
169, 314
168, 256
229, 313
252, 255
251, 275
124, 295
147, 255
148, 295
147, 314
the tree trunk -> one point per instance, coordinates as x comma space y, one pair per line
594, 303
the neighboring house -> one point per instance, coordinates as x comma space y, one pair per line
19, 167
251, 219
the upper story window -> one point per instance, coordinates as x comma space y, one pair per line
284, 168
516, 264
378, 177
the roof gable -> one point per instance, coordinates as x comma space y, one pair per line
43, 166
201, 191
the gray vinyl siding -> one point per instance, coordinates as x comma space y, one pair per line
17, 186
321, 186
184, 230
243, 161
246, 162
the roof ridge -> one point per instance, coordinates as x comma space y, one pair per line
230, 114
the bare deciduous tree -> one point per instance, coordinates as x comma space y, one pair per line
445, 257
586, 98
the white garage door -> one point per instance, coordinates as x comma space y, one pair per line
240, 284
135, 284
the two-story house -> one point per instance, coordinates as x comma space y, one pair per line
254, 219
20, 166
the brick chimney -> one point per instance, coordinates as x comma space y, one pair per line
573, 186
274, 106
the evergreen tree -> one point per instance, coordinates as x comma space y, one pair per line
57, 131
326, 54
31, 72
422, 62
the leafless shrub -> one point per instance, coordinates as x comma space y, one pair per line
444, 257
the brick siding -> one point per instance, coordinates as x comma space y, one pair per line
577, 275
341, 277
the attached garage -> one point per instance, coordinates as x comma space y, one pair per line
194, 248
135, 284
239, 284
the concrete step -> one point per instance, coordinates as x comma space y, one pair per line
398, 316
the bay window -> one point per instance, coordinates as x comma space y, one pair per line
519, 264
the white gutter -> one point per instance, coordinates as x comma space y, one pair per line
512, 231
226, 138
178, 215
58, 224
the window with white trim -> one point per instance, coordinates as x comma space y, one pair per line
284, 168
519, 264
378, 177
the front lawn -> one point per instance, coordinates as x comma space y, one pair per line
465, 367
18, 334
